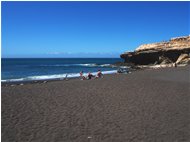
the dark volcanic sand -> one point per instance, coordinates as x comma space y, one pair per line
148, 106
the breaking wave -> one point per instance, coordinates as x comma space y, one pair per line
72, 65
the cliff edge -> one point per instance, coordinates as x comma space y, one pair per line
176, 50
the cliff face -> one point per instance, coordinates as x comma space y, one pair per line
160, 53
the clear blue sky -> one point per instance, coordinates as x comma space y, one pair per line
88, 29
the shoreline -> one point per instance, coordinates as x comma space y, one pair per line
9, 83
41, 81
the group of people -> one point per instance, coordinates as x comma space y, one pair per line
90, 75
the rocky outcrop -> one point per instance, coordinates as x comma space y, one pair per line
183, 59
176, 50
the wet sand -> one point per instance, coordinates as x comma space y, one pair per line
149, 106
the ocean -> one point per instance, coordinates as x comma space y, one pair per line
29, 69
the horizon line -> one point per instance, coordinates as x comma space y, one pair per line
56, 57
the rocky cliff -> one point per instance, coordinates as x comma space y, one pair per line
176, 50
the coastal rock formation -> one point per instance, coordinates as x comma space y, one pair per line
183, 59
176, 50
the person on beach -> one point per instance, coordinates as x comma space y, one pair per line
89, 76
66, 76
99, 74
81, 76
175, 65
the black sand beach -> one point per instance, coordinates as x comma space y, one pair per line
149, 106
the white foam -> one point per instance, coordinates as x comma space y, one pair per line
88, 65
109, 72
85, 65
105, 65
68, 65
124, 67
45, 77
13, 80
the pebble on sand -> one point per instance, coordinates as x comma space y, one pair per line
89, 137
